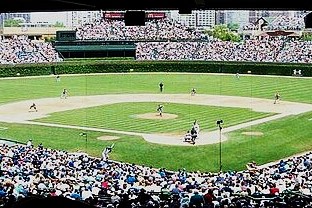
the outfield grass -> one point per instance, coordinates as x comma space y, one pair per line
291, 89
281, 138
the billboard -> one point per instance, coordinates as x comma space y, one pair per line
155, 15
114, 15
121, 15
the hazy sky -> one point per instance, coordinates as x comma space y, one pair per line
50, 17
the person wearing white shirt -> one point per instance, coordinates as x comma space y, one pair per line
29, 143
95, 189
115, 199
86, 193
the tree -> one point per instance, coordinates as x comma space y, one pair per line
12, 23
58, 24
222, 32
233, 26
49, 39
306, 36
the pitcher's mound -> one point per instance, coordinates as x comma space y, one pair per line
156, 116
252, 133
108, 137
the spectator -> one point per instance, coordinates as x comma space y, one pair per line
196, 199
20, 49
209, 197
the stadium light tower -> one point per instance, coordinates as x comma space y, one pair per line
219, 124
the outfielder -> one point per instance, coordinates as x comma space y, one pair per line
193, 91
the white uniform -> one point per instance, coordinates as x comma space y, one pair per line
105, 153
196, 127
29, 143
64, 94
237, 75
193, 91
187, 137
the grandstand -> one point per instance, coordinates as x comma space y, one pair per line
109, 36
268, 49
20, 49
38, 170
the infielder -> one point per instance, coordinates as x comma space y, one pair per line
64, 94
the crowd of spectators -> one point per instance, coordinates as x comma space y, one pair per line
266, 49
168, 29
283, 22
27, 171
165, 39
20, 49
159, 29
250, 26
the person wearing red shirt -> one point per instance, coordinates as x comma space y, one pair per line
274, 190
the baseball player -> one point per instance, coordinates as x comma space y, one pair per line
33, 107
106, 151
277, 97
64, 94
193, 91
161, 86
160, 109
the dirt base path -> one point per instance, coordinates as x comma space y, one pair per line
17, 112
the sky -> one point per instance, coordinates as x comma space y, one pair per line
50, 17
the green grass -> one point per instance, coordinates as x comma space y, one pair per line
249, 86
121, 116
281, 138
277, 142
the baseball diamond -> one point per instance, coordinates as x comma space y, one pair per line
14, 112
127, 113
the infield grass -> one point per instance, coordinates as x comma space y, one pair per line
122, 116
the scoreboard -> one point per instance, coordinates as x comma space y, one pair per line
121, 15
66, 35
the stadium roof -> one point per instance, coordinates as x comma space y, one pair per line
186, 5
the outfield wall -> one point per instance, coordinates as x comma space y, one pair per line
124, 66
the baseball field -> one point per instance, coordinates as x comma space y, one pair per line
120, 109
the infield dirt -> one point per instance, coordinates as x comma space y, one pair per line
17, 112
